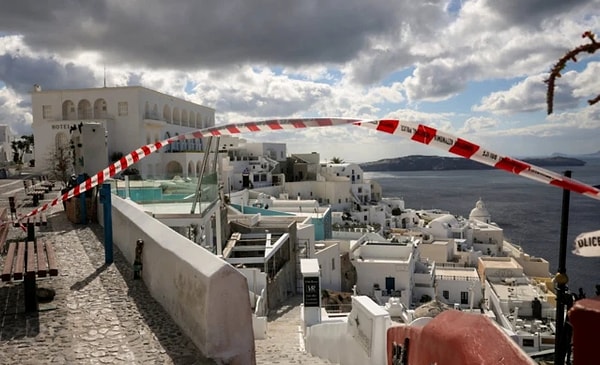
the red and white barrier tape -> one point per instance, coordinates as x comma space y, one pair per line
458, 146
414, 131
229, 129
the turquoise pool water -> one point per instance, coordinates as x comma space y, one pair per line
139, 195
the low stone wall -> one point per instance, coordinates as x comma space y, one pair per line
204, 295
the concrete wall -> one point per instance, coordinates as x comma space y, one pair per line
204, 295
358, 341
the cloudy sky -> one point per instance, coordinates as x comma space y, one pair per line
475, 69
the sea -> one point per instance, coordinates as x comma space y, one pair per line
528, 211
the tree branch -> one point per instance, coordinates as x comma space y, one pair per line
591, 47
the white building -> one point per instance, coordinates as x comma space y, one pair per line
6, 137
252, 165
328, 255
387, 269
523, 306
459, 286
132, 116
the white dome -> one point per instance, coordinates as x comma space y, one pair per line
480, 212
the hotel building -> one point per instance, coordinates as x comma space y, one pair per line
130, 117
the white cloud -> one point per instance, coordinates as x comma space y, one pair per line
15, 113
255, 60
477, 125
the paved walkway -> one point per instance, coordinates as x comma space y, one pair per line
283, 344
100, 315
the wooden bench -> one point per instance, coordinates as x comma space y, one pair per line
31, 222
35, 192
27, 261
4, 228
45, 183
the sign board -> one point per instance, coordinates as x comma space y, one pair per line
587, 244
312, 294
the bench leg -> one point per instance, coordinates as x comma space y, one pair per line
29, 287
36, 200
30, 231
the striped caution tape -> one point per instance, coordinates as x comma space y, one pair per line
458, 146
414, 131
229, 129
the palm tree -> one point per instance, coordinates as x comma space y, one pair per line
336, 160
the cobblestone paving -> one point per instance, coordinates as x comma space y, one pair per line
100, 315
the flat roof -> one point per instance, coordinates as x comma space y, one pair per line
519, 292
459, 271
500, 264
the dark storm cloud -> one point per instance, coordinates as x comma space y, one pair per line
21, 73
193, 34
532, 12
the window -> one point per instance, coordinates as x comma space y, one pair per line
446, 294
464, 297
46, 111
332, 264
528, 342
123, 108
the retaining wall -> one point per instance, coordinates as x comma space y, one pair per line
205, 296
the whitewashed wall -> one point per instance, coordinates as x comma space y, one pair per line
204, 295
359, 341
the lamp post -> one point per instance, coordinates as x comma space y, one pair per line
561, 279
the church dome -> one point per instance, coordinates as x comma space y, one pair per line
480, 212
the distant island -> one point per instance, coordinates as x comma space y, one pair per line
427, 163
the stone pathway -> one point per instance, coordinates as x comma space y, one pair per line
100, 315
283, 344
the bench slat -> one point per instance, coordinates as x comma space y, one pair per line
4, 228
8, 262
31, 261
53, 268
42, 261
20, 264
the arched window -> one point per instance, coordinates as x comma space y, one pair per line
84, 109
61, 140
100, 109
68, 110
167, 114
